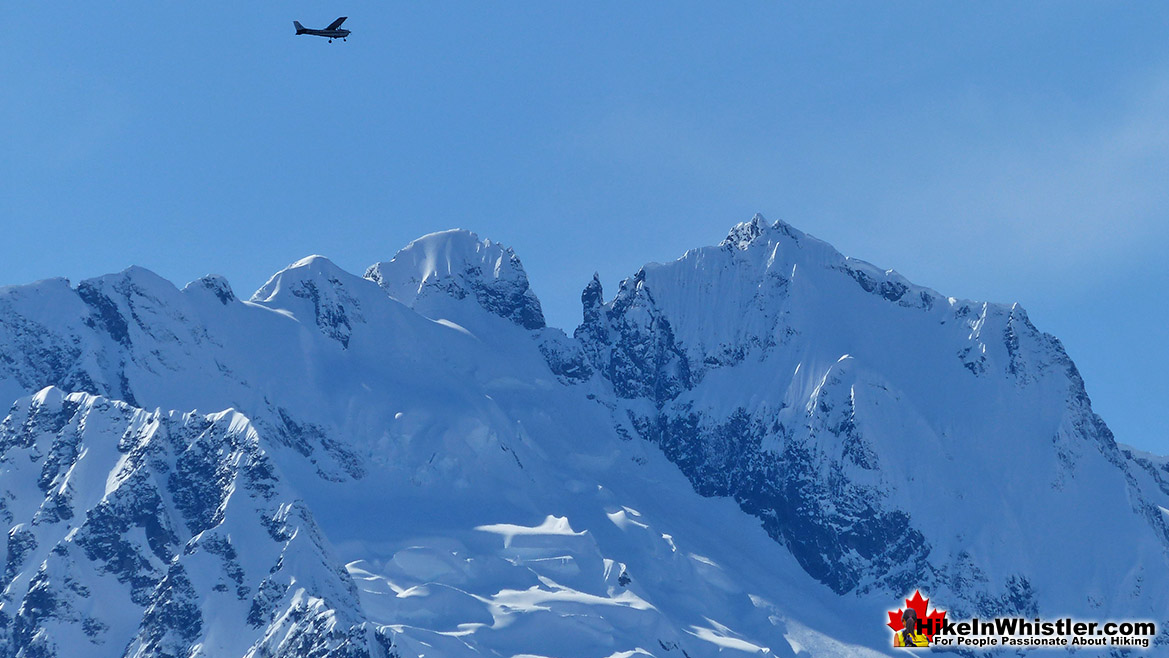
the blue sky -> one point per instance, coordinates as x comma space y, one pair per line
995, 150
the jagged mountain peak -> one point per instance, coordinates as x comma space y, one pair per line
51, 283
457, 265
743, 234
759, 230
314, 267
594, 293
213, 284
770, 244
134, 280
49, 397
315, 290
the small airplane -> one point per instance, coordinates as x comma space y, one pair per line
334, 30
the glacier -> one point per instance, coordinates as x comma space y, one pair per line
757, 449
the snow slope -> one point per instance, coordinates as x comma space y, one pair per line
755, 449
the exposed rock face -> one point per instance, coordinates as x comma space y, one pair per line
159, 534
319, 286
632, 343
457, 265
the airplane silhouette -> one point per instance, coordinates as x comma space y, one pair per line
334, 30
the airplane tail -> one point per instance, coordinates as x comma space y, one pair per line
299, 28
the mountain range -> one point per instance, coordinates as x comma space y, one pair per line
760, 448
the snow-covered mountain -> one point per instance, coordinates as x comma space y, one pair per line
757, 448
889, 436
168, 530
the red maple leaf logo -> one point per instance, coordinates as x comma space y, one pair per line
930, 623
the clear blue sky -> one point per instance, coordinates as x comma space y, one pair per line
994, 150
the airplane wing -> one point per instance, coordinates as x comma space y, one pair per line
337, 23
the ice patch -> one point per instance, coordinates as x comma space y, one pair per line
552, 525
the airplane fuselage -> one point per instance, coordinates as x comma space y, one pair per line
331, 34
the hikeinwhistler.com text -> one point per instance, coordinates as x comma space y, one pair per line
1037, 633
